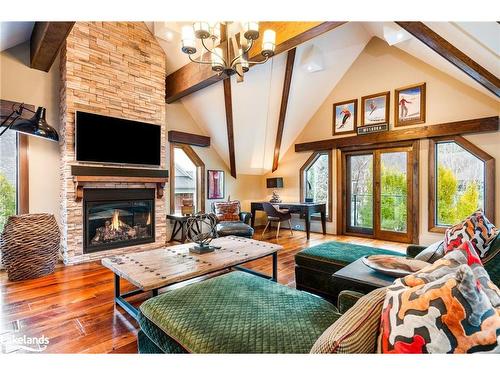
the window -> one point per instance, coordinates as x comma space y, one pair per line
460, 182
14, 187
315, 180
187, 184
8, 176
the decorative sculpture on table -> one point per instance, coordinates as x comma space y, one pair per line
201, 230
275, 183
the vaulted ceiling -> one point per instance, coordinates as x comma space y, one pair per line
256, 101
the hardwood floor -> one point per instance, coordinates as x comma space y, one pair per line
74, 307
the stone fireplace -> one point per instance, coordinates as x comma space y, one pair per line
115, 218
113, 69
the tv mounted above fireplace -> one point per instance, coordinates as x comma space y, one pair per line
104, 139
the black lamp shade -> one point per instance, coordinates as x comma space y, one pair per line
36, 126
274, 183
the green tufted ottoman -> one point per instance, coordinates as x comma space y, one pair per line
315, 266
233, 313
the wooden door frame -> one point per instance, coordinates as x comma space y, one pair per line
413, 173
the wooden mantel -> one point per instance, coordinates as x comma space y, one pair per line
90, 174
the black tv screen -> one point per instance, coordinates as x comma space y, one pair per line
106, 139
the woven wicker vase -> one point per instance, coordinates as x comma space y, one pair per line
30, 246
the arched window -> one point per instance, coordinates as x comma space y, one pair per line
315, 180
187, 182
460, 182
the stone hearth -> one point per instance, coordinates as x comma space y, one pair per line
113, 69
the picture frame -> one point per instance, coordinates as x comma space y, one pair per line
409, 105
375, 109
345, 117
215, 184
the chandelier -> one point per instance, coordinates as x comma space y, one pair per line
228, 62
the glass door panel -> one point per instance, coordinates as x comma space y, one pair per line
360, 193
394, 191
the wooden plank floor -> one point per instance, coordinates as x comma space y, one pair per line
74, 306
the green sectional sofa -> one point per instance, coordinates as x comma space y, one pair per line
234, 313
315, 266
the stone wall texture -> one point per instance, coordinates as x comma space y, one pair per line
113, 69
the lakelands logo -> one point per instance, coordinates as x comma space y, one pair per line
9, 343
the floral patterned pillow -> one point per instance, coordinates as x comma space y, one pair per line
477, 229
227, 211
450, 306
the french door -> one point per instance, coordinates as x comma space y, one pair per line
380, 192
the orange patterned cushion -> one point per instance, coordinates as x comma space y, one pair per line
450, 306
227, 211
475, 228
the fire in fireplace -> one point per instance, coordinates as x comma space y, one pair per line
117, 218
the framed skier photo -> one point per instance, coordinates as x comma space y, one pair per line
409, 105
375, 109
345, 117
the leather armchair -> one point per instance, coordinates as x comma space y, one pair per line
240, 228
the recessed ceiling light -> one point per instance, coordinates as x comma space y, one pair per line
394, 35
312, 59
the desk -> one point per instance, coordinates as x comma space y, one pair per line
304, 209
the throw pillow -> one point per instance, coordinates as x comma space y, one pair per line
356, 330
227, 211
432, 252
476, 228
449, 307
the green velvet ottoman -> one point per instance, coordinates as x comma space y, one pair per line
233, 313
315, 266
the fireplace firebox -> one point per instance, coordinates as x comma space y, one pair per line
117, 218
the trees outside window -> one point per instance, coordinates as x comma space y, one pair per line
8, 176
187, 180
315, 177
459, 182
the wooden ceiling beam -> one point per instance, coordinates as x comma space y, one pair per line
193, 77
46, 41
477, 125
290, 59
447, 50
188, 138
229, 124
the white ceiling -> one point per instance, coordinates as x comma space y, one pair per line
481, 47
256, 101
14, 33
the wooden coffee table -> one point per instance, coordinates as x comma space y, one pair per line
155, 269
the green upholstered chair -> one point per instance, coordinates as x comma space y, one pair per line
233, 313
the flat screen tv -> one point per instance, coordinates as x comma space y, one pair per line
104, 139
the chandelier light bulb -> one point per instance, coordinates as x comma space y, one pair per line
201, 30
215, 30
251, 30
188, 40
244, 61
217, 60
268, 43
